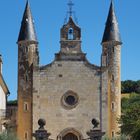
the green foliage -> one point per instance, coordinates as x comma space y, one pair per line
130, 86
7, 136
122, 137
13, 102
130, 118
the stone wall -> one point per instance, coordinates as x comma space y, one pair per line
27, 57
49, 86
115, 90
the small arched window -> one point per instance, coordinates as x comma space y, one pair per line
70, 34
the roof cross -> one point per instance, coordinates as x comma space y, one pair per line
70, 4
70, 12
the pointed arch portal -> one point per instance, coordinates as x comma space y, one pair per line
70, 134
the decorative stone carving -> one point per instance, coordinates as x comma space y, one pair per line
95, 134
41, 133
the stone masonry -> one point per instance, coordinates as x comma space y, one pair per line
70, 91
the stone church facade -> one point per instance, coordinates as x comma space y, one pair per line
69, 92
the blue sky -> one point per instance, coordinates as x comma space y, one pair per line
49, 17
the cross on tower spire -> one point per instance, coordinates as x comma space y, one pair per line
70, 12
70, 4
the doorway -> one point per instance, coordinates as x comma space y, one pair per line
70, 136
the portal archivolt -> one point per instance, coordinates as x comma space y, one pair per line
70, 134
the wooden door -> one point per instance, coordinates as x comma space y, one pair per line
70, 136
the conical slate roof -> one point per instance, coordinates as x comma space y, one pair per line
111, 32
27, 30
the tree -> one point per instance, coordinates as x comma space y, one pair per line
137, 87
14, 102
130, 86
130, 118
7, 136
122, 137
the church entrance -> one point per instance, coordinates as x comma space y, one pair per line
70, 136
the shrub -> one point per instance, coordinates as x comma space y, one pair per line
8, 136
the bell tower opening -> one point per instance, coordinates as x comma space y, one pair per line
70, 34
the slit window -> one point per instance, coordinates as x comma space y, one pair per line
113, 133
113, 106
26, 76
26, 108
26, 135
26, 49
112, 77
113, 49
